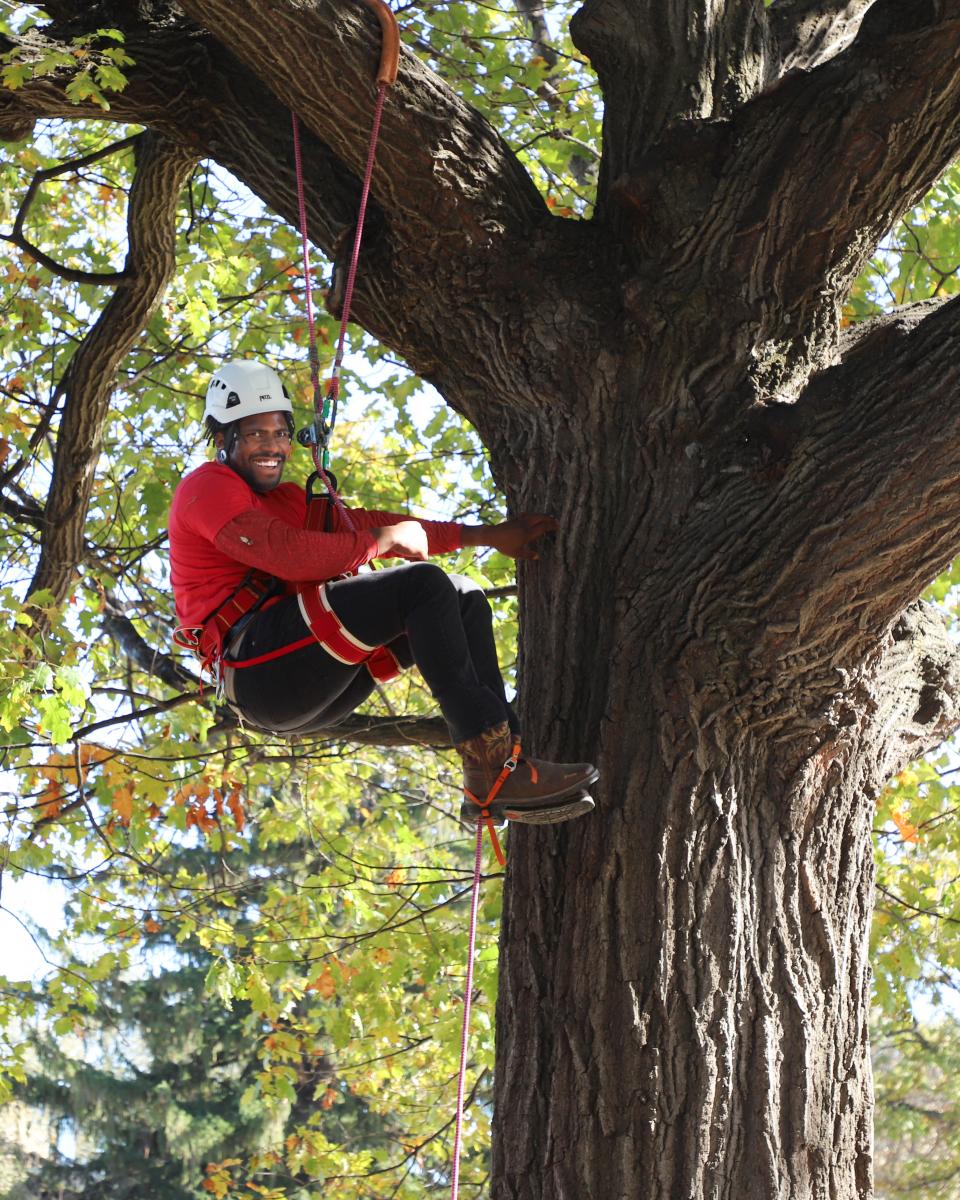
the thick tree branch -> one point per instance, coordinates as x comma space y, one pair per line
454, 214
863, 509
660, 63
819, 169
810, 32
470, 185
117, 626
161, 171
364, 730
776, 210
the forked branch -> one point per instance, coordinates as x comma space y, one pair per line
663, 62
18, 238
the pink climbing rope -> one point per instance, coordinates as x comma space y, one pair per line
467, 1002
333, 386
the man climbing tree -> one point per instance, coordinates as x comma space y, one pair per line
300, 658
752, 499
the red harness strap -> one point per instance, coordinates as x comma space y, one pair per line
246, 598
324, 623
206, 641
338, 641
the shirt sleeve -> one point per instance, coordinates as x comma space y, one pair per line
210, 498
256, 539
443, 537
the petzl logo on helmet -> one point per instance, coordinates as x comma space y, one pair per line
265, 396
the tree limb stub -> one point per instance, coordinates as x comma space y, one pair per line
162, 170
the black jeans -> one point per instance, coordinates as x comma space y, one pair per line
442, 623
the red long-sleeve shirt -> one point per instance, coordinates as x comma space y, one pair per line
220, 528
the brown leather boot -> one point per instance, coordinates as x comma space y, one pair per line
535, 792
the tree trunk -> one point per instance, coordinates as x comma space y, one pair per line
684, 978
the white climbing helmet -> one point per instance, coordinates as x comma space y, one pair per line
243, 387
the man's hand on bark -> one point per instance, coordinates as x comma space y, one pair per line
513, 538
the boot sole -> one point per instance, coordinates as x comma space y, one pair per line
553, 813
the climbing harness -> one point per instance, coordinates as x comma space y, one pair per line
255, 592
337, 640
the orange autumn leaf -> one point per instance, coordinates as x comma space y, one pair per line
324, 984
122, 803
346, 971
152, 926
395, 878
51, 801
329, 1098
235, 804
908, 832
198, 815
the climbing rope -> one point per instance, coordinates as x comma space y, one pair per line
467, 1003
325, 405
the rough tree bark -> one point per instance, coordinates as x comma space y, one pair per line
750, 509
